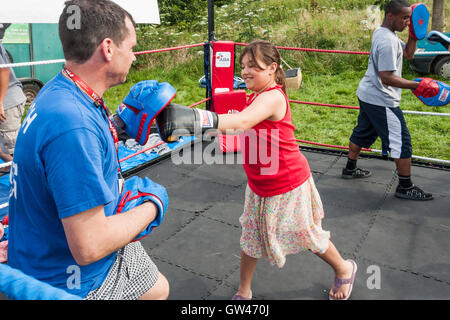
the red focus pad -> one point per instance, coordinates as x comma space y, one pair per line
419, 21
226, 103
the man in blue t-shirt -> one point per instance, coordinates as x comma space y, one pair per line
379, 93
65, 182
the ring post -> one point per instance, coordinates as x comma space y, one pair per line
222, 68
208, 53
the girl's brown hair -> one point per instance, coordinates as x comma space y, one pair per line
267, 53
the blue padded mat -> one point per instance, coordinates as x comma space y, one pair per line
144, 157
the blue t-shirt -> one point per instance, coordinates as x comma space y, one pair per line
65, 162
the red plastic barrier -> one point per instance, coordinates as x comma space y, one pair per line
226, 103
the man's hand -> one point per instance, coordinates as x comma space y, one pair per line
2, 113
92, 236
139, 190
4, 82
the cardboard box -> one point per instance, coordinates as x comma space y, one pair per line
293, 78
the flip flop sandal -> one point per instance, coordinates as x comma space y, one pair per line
339, 282
239, 297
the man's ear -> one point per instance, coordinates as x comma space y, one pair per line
389, 16
107, 49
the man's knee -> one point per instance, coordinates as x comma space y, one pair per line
160, 290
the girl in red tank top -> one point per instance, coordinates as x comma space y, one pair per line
282, 167
283, 211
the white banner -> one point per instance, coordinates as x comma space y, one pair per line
48, 11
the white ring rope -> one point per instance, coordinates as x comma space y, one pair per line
426, 113
424, 53
431, 159
419, 158
34, 63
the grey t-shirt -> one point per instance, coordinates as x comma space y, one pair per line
386, 54
14, 95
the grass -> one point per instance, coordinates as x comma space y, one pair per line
327, 78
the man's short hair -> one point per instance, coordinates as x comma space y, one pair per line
84, 24
395, 6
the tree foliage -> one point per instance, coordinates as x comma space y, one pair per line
381, 3
182, 12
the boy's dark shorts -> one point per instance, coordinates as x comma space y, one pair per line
384, 122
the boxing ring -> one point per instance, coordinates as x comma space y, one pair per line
224, 185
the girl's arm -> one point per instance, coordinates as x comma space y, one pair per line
268, 105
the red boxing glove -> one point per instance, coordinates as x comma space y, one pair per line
427, 88
5, 221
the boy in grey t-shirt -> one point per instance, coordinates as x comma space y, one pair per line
386, 55
379, 94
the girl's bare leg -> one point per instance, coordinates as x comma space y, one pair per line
342, 269
248, 265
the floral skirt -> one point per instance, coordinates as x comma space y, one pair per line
273, 227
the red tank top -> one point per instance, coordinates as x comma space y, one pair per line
272, 159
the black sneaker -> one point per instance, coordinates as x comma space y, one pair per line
412, 193
355, 173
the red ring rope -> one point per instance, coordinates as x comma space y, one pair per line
169, 49
314, 50
324, 104
142, 151
329, 145
293, 101
200, 102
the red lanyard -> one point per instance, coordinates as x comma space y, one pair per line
97, 100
